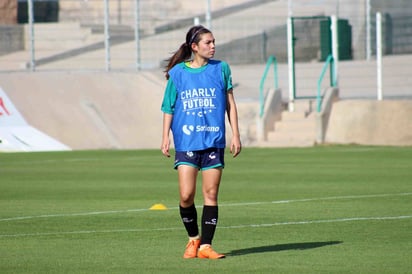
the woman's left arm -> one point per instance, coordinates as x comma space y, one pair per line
235, 144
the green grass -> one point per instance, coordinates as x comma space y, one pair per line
338, 209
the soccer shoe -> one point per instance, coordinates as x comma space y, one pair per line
208, 253
191, 249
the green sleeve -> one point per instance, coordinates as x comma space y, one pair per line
169, 98
227, 76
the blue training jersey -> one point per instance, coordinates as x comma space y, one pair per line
199, 110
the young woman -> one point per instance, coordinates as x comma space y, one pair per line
198, 95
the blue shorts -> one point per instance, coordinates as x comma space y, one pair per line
201, 159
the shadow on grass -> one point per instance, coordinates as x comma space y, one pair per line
281, 247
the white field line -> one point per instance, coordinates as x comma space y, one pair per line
322, 199
73, 214
220, 227
74, 160
220, 205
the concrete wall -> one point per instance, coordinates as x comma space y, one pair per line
11, 38
90, 110
371, 123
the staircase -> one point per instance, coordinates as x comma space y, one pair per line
59, 37
295, 129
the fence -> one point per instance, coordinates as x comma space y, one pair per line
127, 35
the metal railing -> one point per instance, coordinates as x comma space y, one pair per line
262, 98
328, 63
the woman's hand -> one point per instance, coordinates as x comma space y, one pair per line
235, 146
165, 148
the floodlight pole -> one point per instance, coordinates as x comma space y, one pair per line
379, 54
209, 14
30, 11
137, 34
291, 64
107, 34
368, 30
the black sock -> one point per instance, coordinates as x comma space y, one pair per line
189, 218
209, 222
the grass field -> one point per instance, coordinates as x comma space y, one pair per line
338, 209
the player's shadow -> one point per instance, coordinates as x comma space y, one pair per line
281, 247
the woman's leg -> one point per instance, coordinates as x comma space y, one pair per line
210, 189
187, 191
210, 185
188, 213
187, 185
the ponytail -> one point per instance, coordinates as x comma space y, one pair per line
182, 54
185, 51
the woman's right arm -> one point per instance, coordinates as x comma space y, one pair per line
167, 108
167, 122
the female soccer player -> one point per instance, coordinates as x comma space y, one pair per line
198, 94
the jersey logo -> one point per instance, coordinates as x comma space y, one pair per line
188, 129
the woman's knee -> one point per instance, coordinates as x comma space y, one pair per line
210, 194
187, 199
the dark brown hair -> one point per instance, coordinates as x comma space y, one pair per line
185, 51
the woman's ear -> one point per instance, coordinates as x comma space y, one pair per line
194, 47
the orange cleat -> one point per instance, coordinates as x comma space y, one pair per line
208, 253
191, 249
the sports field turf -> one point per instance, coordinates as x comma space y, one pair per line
337, 209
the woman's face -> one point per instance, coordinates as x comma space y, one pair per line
206, 46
